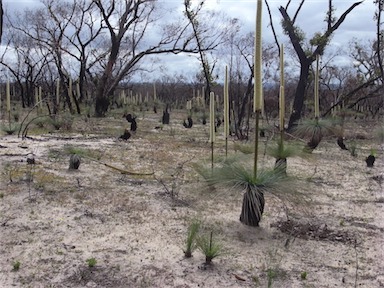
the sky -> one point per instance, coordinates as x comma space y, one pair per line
359, 23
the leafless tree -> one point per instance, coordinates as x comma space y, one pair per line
129, 22
318, 44
25, 60
210, 30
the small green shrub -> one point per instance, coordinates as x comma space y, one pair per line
353, 148
272, 275
16, 266
244, 148
64, 122
41, 121
209, 247
303, 275
11, 128
190, 244
91, 262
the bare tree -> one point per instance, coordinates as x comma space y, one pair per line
130, 41
25, 60
47, 26
208, 36
83, 32
379, 36
1, 19
318, 43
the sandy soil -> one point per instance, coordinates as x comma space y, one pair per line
52, 219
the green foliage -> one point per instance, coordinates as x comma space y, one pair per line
272, 275
296, 30
209, 247
41, 121
315, 129
91, 262
379, 134
244, 148
283, 151
309, 127
70, 149
62, 121
16, 266
10, 128
353, 148
372, 152
319, 40
303, 275
237, 174
190, 244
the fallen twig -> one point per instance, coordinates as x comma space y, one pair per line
122, 171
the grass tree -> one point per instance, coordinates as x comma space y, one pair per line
317, 127
212, 134
281, 152
238, 174
210, 247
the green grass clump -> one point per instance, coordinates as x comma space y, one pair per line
209, 247
190, 244
315, 129
16, 266
10, 129
91, 262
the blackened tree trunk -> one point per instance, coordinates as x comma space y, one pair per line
253, 206
300, 92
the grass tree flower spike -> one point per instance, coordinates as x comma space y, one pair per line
57, 92
282, 96
212, 117
226, 110
258, 89
8, 95
316, 92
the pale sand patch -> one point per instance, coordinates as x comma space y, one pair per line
53, 223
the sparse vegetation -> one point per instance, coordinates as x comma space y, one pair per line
303, 275
210, 247
11, 128
91, 262
190, 243
68, 61
16, 266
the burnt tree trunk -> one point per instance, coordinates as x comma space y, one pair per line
253, 206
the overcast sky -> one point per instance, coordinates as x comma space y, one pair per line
359, 23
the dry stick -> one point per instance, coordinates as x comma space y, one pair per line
122, 171
357, 263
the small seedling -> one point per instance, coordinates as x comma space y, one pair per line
272, 275
16, 265
353, 148
190, 243
303, 275
209, 247
91, 262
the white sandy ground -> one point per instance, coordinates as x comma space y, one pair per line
52, 220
